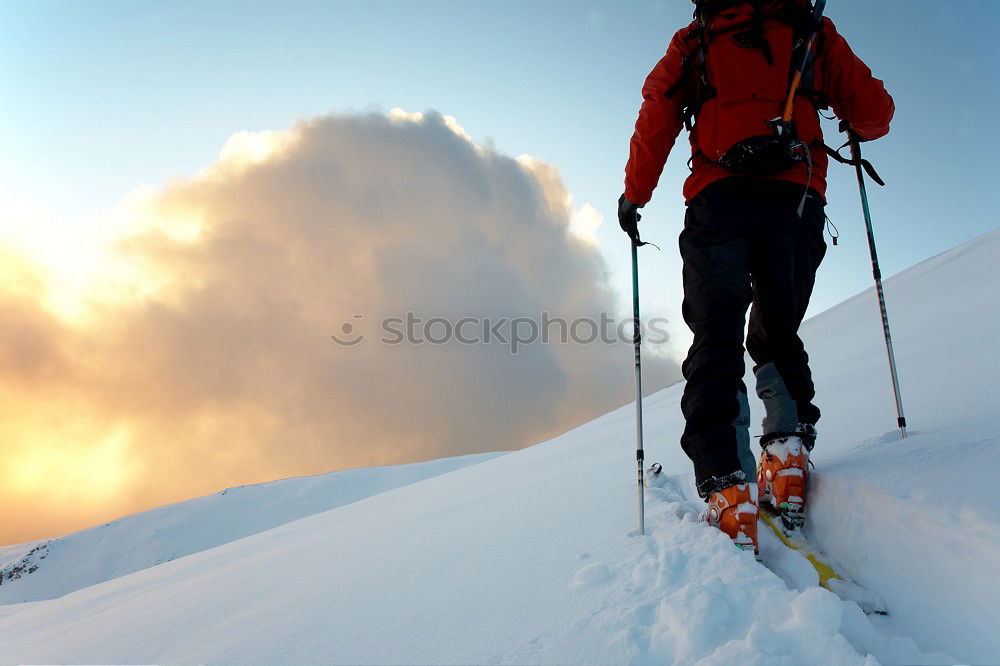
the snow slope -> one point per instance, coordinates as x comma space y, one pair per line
532, 557
917, 518
143, 540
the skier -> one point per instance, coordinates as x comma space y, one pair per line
753, 230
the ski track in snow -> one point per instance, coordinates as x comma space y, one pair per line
694, 599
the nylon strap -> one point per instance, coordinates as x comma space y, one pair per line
865, 164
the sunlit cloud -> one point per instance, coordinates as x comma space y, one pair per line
583, 221
187, 346
246, 149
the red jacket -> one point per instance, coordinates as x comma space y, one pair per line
847, 83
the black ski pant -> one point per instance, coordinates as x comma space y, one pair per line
744, 245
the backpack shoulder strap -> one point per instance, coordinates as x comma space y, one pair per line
694, 74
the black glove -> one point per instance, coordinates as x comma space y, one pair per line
628, 218
851, 134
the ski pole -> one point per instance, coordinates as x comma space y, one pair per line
877, 273
637, 343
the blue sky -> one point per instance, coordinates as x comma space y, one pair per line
101, 97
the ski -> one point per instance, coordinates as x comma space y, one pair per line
829, 577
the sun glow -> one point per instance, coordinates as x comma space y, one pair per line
83, 471
62, 262
72, 264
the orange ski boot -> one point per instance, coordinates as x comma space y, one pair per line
783, 474
734, 511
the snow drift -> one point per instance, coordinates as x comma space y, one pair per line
532, 557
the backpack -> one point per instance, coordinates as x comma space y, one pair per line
745, 56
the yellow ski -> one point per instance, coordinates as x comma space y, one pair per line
825, 571
829, 578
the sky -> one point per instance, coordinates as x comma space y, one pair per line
118, 120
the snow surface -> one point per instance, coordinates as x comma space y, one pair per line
533, 556
143, 540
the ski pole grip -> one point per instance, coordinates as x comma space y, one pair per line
855, 142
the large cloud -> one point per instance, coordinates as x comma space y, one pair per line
213, 364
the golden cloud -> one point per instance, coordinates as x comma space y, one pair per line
201, 354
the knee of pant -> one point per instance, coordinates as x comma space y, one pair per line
758, 349
718, 327
782, 350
